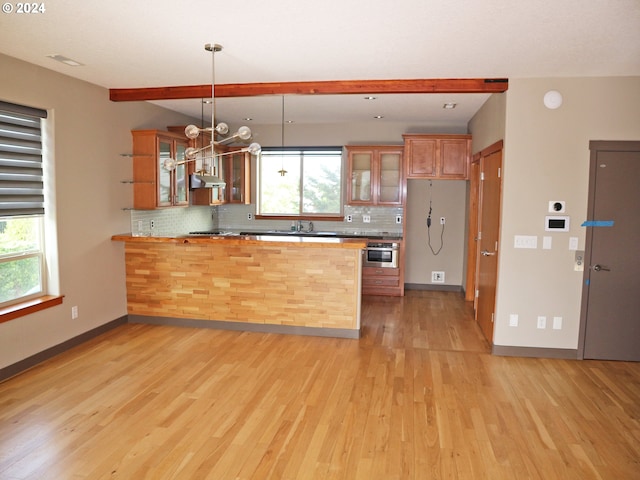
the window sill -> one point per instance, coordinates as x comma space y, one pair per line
28, 307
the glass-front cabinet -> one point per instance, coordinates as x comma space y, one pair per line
153, 185
239, 179
374, 175
235, 169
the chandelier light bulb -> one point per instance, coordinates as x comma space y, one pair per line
222, 128
244, 133
191, 131
254, 148
190, 153
169, 164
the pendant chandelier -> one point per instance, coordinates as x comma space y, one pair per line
282, 171
209, 176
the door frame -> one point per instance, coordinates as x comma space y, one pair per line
473, 242
595, 146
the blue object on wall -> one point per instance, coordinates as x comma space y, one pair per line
597, 223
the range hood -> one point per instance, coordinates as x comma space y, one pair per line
199, 180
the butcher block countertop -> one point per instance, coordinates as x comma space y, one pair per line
300, 241
266, 283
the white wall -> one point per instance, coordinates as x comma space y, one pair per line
90, 132
546, 157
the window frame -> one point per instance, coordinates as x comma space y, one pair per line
25, 179
37, 252
306, 153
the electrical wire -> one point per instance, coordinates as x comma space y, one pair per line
429, 223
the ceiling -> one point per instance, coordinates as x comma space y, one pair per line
124, 44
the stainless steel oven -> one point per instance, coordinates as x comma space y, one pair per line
381, 255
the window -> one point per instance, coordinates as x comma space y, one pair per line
310, 186
22, 262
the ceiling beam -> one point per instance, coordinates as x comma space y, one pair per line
334, 87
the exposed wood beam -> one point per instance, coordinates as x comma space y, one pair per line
335, 87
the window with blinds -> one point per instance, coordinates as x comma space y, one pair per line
22, 203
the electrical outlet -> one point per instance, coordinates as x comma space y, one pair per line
442, 220
366, 218
349, 218
578, 263
152, 224
398, 218
542, 322
249, 216
437, 277
74, 312
513, 320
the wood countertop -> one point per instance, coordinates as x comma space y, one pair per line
285, 240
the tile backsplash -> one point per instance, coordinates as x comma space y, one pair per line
179, 221
171, 221
233, 217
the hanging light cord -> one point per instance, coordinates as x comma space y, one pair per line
429, 223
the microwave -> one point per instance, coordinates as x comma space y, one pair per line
381, 255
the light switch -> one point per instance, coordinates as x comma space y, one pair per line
525, 241
573, 243
546, 243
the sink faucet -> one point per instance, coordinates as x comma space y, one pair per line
299, 226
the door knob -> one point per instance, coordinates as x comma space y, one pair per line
598, 268
485, 253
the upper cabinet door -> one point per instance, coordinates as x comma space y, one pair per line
421, 154
454, 158
360, 177
375, 175
153, 185
437, 156
181, 181
164, 175
390, 176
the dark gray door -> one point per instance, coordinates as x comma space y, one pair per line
610, 320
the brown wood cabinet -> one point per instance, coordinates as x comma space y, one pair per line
384, 281
153, 185
437, 156
235, 169
375, 175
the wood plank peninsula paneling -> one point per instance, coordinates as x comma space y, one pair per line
274, 284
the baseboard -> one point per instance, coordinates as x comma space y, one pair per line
32, 361
535, 352
246, 327
431, 286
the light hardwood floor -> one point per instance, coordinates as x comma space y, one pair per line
418, 397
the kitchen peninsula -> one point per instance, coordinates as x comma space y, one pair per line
280, 284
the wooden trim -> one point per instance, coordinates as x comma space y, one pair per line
493, 148
331, 87
30, 306
432, 287
534, 352
32, 361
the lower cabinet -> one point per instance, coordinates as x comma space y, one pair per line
385, 281
381, 281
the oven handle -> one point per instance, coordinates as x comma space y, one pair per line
378, 249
